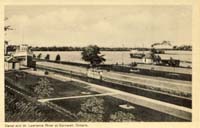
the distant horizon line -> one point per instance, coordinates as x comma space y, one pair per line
123, 46
79, 48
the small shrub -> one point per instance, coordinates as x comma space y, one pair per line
47, 57
34, 56
58, 58
39, 56
122, 117
46, 73
92, 110
133, 64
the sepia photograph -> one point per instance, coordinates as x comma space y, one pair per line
98, 63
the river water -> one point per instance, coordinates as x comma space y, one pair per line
113, 57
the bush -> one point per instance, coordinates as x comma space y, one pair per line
122, 117
133, 64
47, 57
39, 56
46, 73
92, 110
34, 56
58, 58
43, 88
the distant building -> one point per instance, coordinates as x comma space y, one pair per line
148, 58
11, 63
22, 57
163, 46
24, 54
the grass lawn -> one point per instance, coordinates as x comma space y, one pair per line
61, 89
13, 113
71, 88
111, 105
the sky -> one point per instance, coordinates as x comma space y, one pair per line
103, 25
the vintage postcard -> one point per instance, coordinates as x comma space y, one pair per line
93, 64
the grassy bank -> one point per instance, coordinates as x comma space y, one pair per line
19, 108
110, 105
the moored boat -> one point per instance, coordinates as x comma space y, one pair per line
137, 54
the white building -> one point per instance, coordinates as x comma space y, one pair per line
148, 58
23, 56
11, 63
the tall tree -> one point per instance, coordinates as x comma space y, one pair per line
93, 55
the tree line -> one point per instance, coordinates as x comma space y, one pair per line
69, 48
66, 48
183, 47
